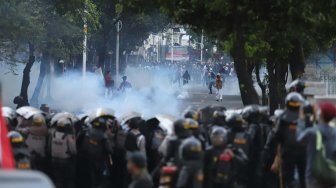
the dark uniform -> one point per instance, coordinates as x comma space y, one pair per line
292, 153
190, 169
255, 132
94, 151
182, 131
221, 168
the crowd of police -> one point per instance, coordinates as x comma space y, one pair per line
211, 147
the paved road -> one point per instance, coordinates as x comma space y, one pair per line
199, 98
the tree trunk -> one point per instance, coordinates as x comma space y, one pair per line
43, 70
247, 91
297, 60
277, 71
49, 76
260, 83
26, 74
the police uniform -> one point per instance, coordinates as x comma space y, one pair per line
36, 140
63, 151
292, 153
190, 169
221, 169
94, 151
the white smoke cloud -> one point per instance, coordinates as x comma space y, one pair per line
152, 93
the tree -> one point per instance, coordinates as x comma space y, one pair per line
281, 33
49, 26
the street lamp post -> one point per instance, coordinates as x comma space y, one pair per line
85, 29
118, 26
172, 43
202, 46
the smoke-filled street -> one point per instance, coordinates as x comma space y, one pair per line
167, 94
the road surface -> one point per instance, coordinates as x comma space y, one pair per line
200, 97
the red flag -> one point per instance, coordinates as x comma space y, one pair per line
6, 155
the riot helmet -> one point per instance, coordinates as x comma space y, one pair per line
235, 121
190, 149
65, 125
38, 120
136, 123
251, 114
219, 118
101, 118
15, 138
293, 101
218, 136
297, 85
191, 114
61, 115
10, 116
182, 129
193, 125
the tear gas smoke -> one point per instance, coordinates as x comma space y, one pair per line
152, 93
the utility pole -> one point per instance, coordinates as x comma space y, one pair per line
85, 30
157, 48
118, 26
172, 43
202, 46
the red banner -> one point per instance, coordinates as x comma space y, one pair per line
6, 155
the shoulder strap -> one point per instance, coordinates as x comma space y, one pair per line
319, 144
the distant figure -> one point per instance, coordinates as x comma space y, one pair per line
211, 78
219, 87
109, 83
124, 85
186, 77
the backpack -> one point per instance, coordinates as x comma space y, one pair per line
223, 169
241, 140
324, 169
59, 146
131, 142
290, 134
155, 139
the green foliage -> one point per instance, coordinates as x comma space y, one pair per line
51, 26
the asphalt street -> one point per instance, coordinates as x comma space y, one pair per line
200, 97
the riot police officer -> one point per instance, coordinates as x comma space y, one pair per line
35, 132
190, 169
222, 162
268, 154
240, 138
63, 151
135, 140
20, 151
290, 152
182, 131
94, 151
198, 132
255, 132
154, 135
